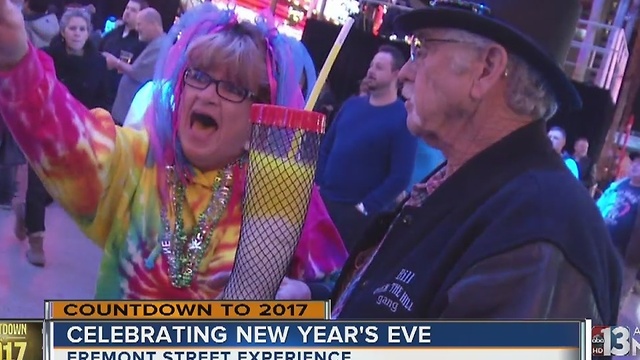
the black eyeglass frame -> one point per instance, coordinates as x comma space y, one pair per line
210, 80
415, 47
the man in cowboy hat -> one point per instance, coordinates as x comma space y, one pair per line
503, 230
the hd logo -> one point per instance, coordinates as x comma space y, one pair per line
614, 341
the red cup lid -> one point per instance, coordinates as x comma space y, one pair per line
283, 117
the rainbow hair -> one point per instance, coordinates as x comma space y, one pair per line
287, 60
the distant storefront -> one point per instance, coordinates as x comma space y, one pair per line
290, 14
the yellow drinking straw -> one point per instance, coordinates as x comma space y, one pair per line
328, 64
322, 77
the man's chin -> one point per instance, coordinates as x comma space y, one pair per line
413, 124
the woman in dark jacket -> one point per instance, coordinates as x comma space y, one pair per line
78, 63
83, 70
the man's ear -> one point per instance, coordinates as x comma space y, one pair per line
494, 60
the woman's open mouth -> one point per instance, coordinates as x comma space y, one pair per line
201, 121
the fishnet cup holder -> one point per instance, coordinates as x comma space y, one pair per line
282, 161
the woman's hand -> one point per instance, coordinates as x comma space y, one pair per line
293, 290
290, 289
13, 35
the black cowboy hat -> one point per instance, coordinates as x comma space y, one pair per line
539, 31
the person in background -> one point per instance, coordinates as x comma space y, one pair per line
367, 156
619, 207
40, 21
586, 168
135, 75
95, 36
622, 164
327, 103
613, 157
12, 162
558, 138
83, 71
41, 24
78, 63
124, 43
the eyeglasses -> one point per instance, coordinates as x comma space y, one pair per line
479, 9
418, 51
225, 89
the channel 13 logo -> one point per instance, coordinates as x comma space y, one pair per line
613, 341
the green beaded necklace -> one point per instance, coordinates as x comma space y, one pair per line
184, 251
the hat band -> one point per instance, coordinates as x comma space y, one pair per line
479, 9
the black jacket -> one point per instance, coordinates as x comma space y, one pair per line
84, 76
587, 175
510, 235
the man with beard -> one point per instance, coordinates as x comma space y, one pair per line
124, 43
367, 157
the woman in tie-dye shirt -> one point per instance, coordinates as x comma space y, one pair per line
125, 187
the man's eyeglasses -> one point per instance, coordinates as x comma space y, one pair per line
418, 50
225, 89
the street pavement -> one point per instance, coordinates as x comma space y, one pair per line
70, 272
72, 268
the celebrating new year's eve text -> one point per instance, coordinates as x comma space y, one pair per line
238, 334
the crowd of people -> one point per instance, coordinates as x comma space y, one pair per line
100, 70
440, 191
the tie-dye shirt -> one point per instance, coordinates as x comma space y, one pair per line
99, 173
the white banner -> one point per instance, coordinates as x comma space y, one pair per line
221, 353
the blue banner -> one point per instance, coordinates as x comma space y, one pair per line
316, 334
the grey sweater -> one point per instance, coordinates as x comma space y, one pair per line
143, 69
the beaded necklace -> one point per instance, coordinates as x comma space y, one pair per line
184, 251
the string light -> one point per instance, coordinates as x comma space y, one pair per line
297, 11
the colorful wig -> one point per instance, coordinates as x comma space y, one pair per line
286, 60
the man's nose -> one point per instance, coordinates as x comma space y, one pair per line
407, 72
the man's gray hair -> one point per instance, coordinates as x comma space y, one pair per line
528, 93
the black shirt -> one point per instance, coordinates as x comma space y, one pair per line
114, 43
